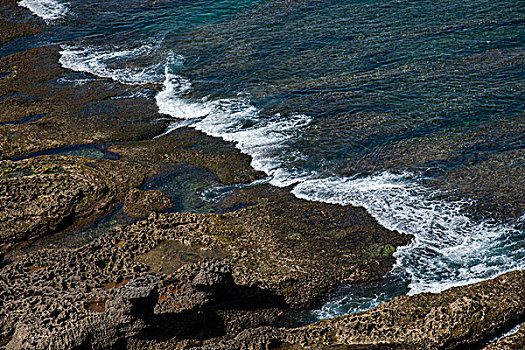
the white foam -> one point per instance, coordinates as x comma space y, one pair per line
235, 120
170, 103
75, 82
265, 140
112, 63
512, 331
49, 10
449, 249
215, 194
348, 304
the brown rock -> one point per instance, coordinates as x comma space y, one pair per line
49, 194
142, 203
273, 261
515, 341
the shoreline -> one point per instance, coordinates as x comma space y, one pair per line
237, 253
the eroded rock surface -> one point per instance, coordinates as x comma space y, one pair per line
462, 317
48, 194
43, 109
246, 269
142, 203
207, 281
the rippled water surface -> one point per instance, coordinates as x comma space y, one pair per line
412, 109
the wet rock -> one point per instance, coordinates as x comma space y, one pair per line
462, 317
48, 202
458, 317
50, 194
83, 114
10, 31
142, 203
515, 341
87, 114
222, 303
15, 22
248, 268
185, 145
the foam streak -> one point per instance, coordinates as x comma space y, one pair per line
48, 10
449, 249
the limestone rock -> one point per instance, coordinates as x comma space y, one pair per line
213, 274
49, 194
142, 203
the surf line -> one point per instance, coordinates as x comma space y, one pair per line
449, 248
48, 10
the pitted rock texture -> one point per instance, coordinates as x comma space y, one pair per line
129, 312
457, 317
213, 275
185, 145
237, 276
462, 317
48, 194
142, 203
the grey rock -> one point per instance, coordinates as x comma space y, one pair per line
136, 299
213, 274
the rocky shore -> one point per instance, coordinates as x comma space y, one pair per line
70, 155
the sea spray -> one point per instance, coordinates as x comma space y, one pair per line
449, 248
236, 120
48, 10
112, 63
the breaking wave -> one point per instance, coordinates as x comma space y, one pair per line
449, 247
48, 10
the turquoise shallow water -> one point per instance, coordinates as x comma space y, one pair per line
412, 109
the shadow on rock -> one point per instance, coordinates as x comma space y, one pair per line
211, 292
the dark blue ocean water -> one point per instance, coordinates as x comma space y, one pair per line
396, 106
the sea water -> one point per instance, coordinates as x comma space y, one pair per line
321, 94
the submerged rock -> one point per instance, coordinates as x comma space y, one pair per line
73, 114
89, 114
235, 271
142, 203
206, 281
49, 194
14, 22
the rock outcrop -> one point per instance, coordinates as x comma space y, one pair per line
49, 194
142, 203
458, 318
217, 281
233, 271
